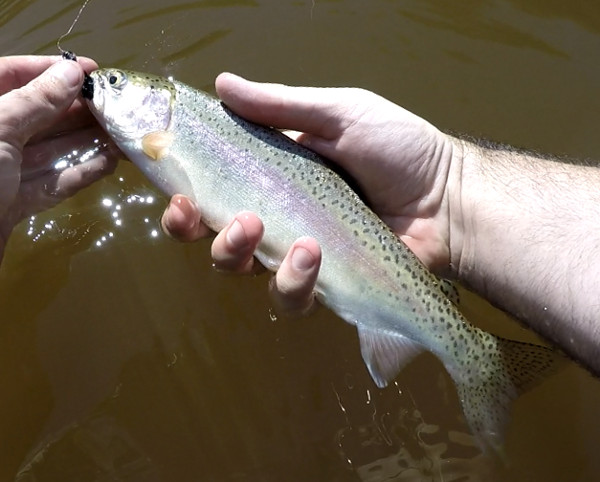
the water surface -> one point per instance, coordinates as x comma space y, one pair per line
124, 356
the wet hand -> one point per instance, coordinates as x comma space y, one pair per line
291, 288
41, 116
400, 162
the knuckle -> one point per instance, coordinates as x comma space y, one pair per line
360, 95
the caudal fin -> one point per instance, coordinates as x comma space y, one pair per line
486, 396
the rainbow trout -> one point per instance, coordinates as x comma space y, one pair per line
188, 142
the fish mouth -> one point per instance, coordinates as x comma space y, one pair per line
87, 90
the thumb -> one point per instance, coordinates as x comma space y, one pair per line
31, 108
304, 109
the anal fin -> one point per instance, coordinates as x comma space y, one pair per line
385, 354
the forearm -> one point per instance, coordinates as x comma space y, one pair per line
528, 239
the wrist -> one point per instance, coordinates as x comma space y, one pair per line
478, 215
459, 230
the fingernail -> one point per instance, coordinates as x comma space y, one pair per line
178, 217
174, 214
67, 71
236, 236
302, 260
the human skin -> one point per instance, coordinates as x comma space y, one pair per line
41, 115
515, 227
530, 242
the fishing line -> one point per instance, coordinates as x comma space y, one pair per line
68, 54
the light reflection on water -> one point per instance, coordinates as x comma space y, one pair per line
396, 443
131, 214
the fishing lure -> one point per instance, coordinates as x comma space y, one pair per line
69, 55
87, 89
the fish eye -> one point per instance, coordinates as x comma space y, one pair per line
117, 79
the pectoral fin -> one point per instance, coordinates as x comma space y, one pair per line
156, 144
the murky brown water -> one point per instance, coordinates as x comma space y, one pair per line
123, 356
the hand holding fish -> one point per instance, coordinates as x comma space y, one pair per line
40, 117
451, 200
400, 162
461, 206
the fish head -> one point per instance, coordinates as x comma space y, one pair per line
129, 105
136, 110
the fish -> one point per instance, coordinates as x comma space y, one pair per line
188, 142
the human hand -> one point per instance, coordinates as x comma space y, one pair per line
400, 162
42, 118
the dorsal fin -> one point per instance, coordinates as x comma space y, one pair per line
450, 290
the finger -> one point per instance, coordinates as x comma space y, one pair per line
182, 220
63, 150
233, 248
77, 116
33, 107
305, 109
18, 70
46, 191
292, 288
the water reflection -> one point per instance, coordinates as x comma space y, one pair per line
143, 13
119, 215
398, 444
584, 14
12, 8
125, 356
479, 20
